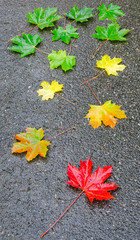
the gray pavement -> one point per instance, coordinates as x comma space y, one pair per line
35, 194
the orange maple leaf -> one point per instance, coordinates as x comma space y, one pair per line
31, 142
105, 113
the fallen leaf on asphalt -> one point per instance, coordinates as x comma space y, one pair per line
31, 142
49, 90
92, 184
110, 65
105, 113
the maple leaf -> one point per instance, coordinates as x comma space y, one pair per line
49, 90
92, 184
80, 15
105, 113
112, 32
65, 34
25, 45
111, 13
61, 59
43, 18
31, 142
110, 65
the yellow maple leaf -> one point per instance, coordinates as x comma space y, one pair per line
49, 90
105, 113
110, 65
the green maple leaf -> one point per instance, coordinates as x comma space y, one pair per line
111, 13
25, 45
43, 18
80, 15
65, 34
60, 58
112, 32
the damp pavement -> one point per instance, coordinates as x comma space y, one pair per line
33, 195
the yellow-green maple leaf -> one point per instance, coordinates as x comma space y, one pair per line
110, 65
105, 113
31, 142
49, 90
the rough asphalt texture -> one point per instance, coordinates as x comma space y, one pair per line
33, 195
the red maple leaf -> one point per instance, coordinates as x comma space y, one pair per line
92, 184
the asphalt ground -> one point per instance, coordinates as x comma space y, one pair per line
33, 195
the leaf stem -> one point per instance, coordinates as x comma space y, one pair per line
42, 51
65, 22
65, 99
62, 214
95, 14
71, 23
93, 92
71, 46
93, 78
99, 48
60, 133
22, 33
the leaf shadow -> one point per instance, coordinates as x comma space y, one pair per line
45, 30
100, 204
117, 42
68, 71
85, 24
37, 158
